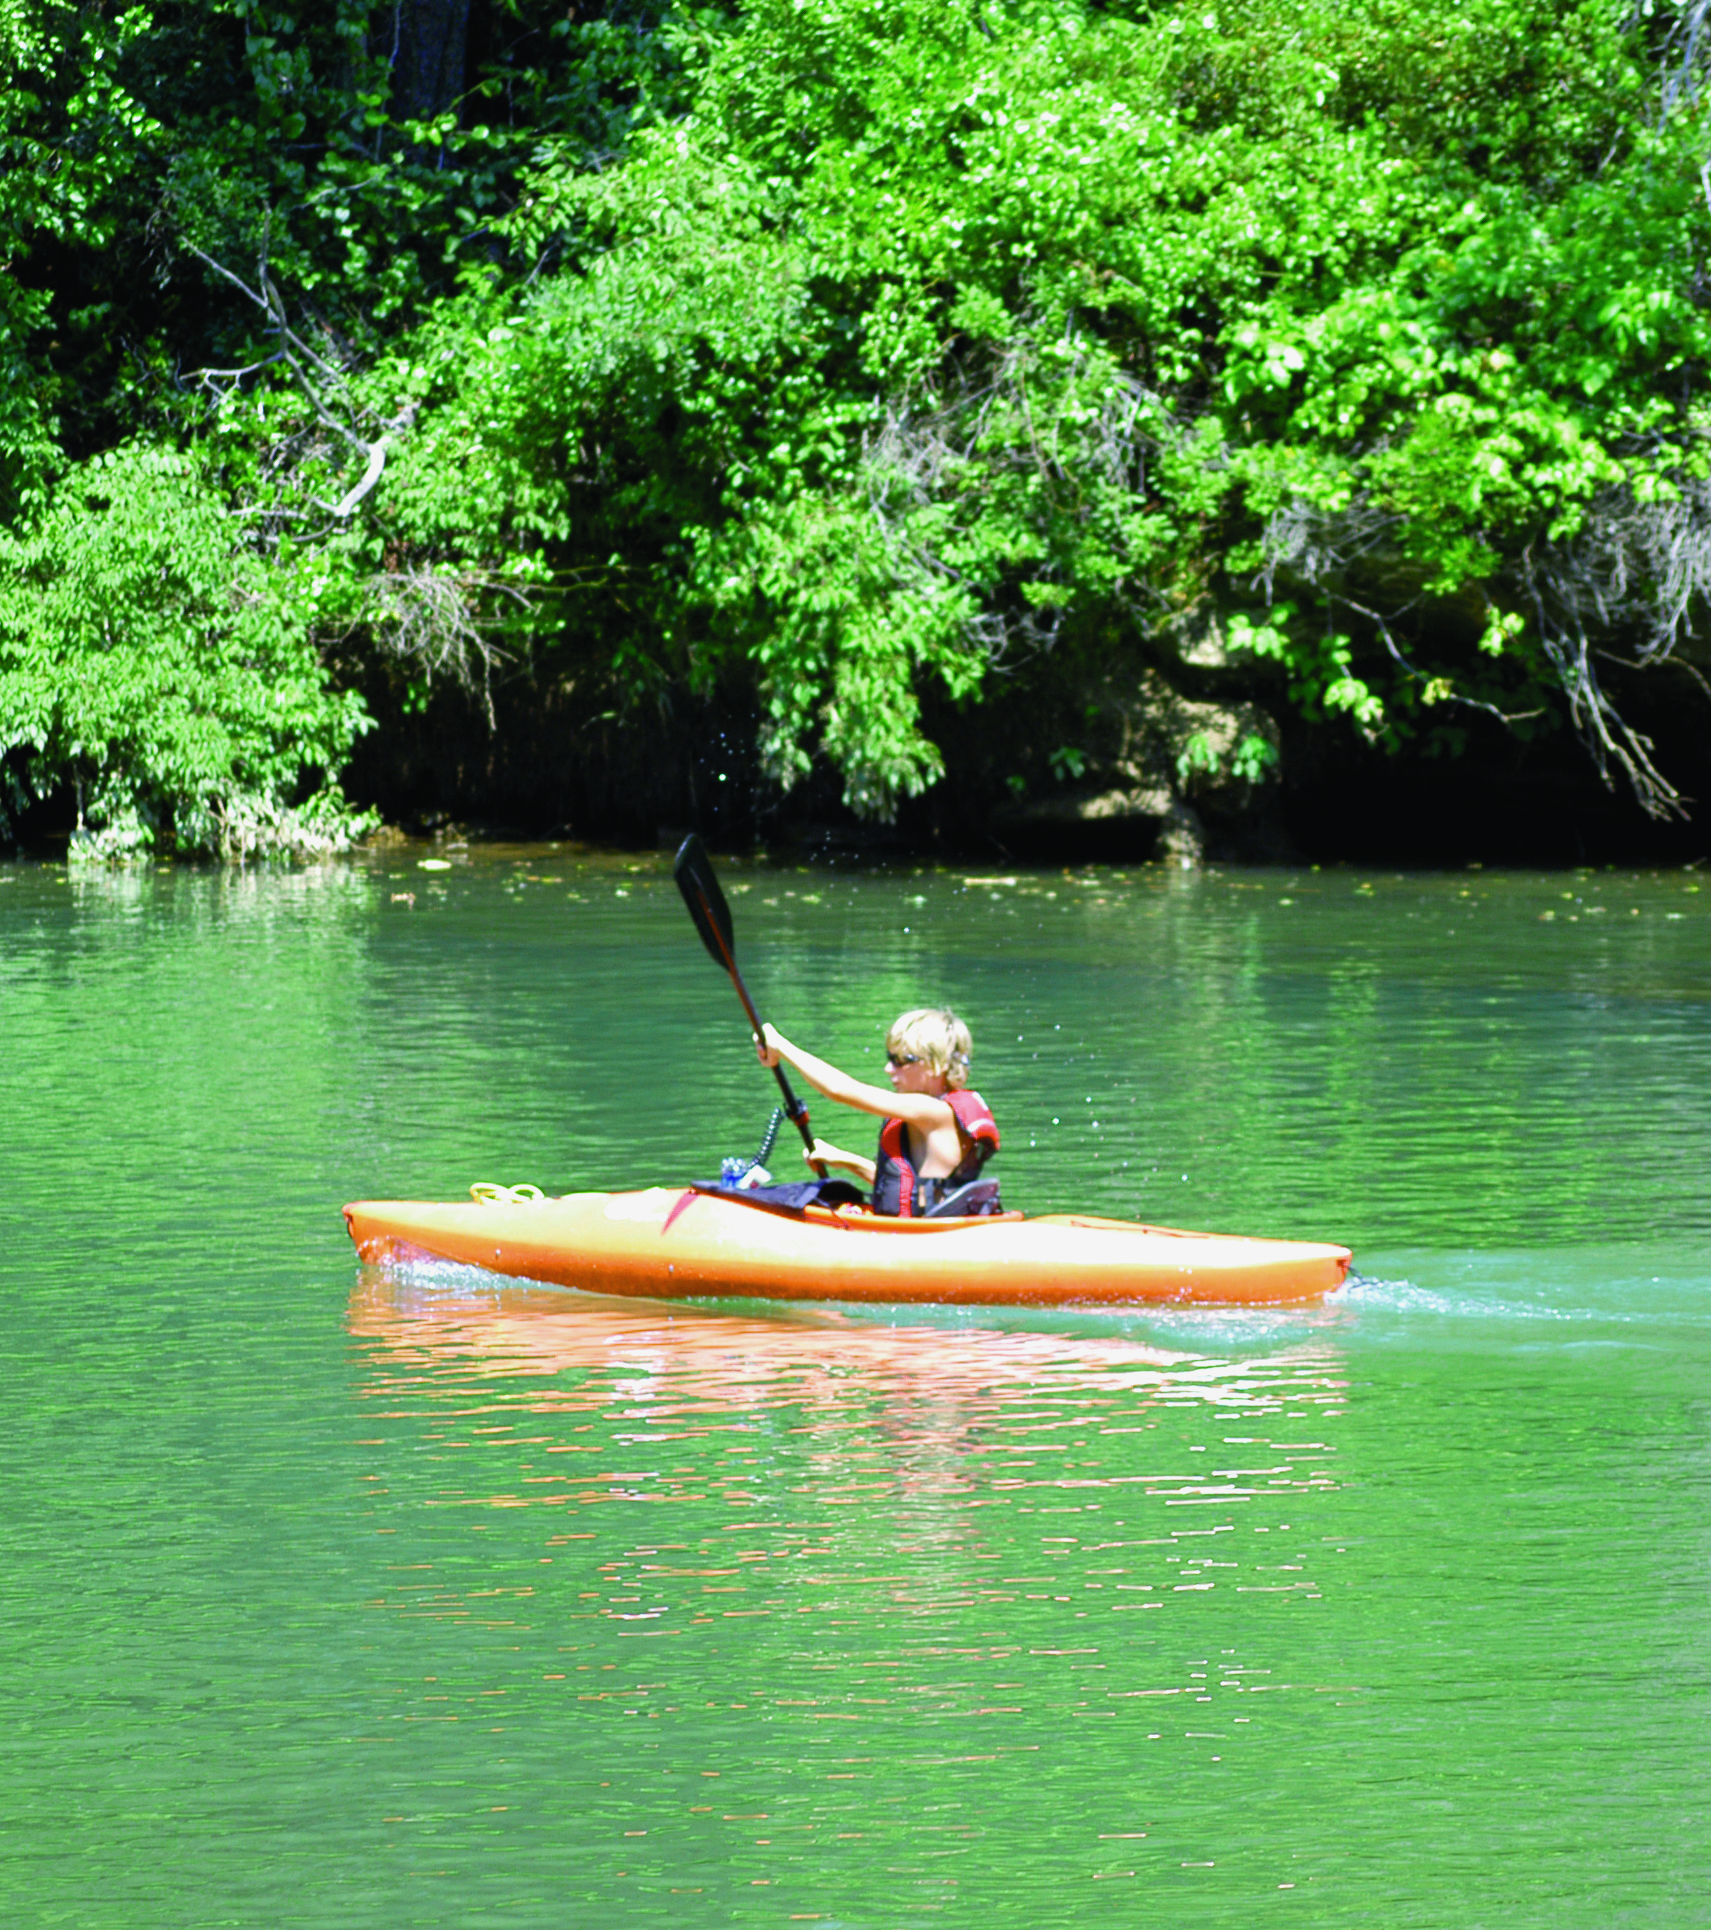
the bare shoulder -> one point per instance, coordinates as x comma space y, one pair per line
921, 1109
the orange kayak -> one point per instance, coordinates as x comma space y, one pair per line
667, 1243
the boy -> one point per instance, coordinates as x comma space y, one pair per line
937, 1134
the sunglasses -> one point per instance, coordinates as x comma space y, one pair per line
901, 1059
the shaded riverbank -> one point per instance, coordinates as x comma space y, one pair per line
1045, 775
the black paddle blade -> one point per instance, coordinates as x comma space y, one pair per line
693, 870
696, 879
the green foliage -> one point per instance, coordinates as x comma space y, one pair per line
866, 352
150, 659
1251, 759
143, 143
923, 346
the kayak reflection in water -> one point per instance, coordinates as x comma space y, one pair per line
937, 1136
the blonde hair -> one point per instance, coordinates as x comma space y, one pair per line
935, 1036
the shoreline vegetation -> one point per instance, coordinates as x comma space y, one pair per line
1045, 431
419, 867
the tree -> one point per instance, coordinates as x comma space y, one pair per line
928, 348
148, 654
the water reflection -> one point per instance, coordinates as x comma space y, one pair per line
815, 1588
439, 1322
530, 1399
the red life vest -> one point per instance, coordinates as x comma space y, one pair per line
899, 1189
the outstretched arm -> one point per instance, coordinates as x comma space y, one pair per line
918, 1108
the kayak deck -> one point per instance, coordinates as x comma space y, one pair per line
667, 1243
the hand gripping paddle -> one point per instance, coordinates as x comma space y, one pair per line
695, 877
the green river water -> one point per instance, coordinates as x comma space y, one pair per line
338, 1599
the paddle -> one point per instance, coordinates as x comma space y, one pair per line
695, 877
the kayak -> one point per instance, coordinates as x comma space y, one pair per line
674, 1243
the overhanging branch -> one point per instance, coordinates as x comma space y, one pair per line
292, 348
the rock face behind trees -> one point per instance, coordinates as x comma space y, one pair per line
1147, 428
557, 763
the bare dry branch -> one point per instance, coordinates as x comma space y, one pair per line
292, 347
976, 420
371, 475
1684, 57
1635, 571
439, 623
219, 269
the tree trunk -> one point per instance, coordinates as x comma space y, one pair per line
428, 56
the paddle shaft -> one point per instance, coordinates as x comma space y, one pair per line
795, 1111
